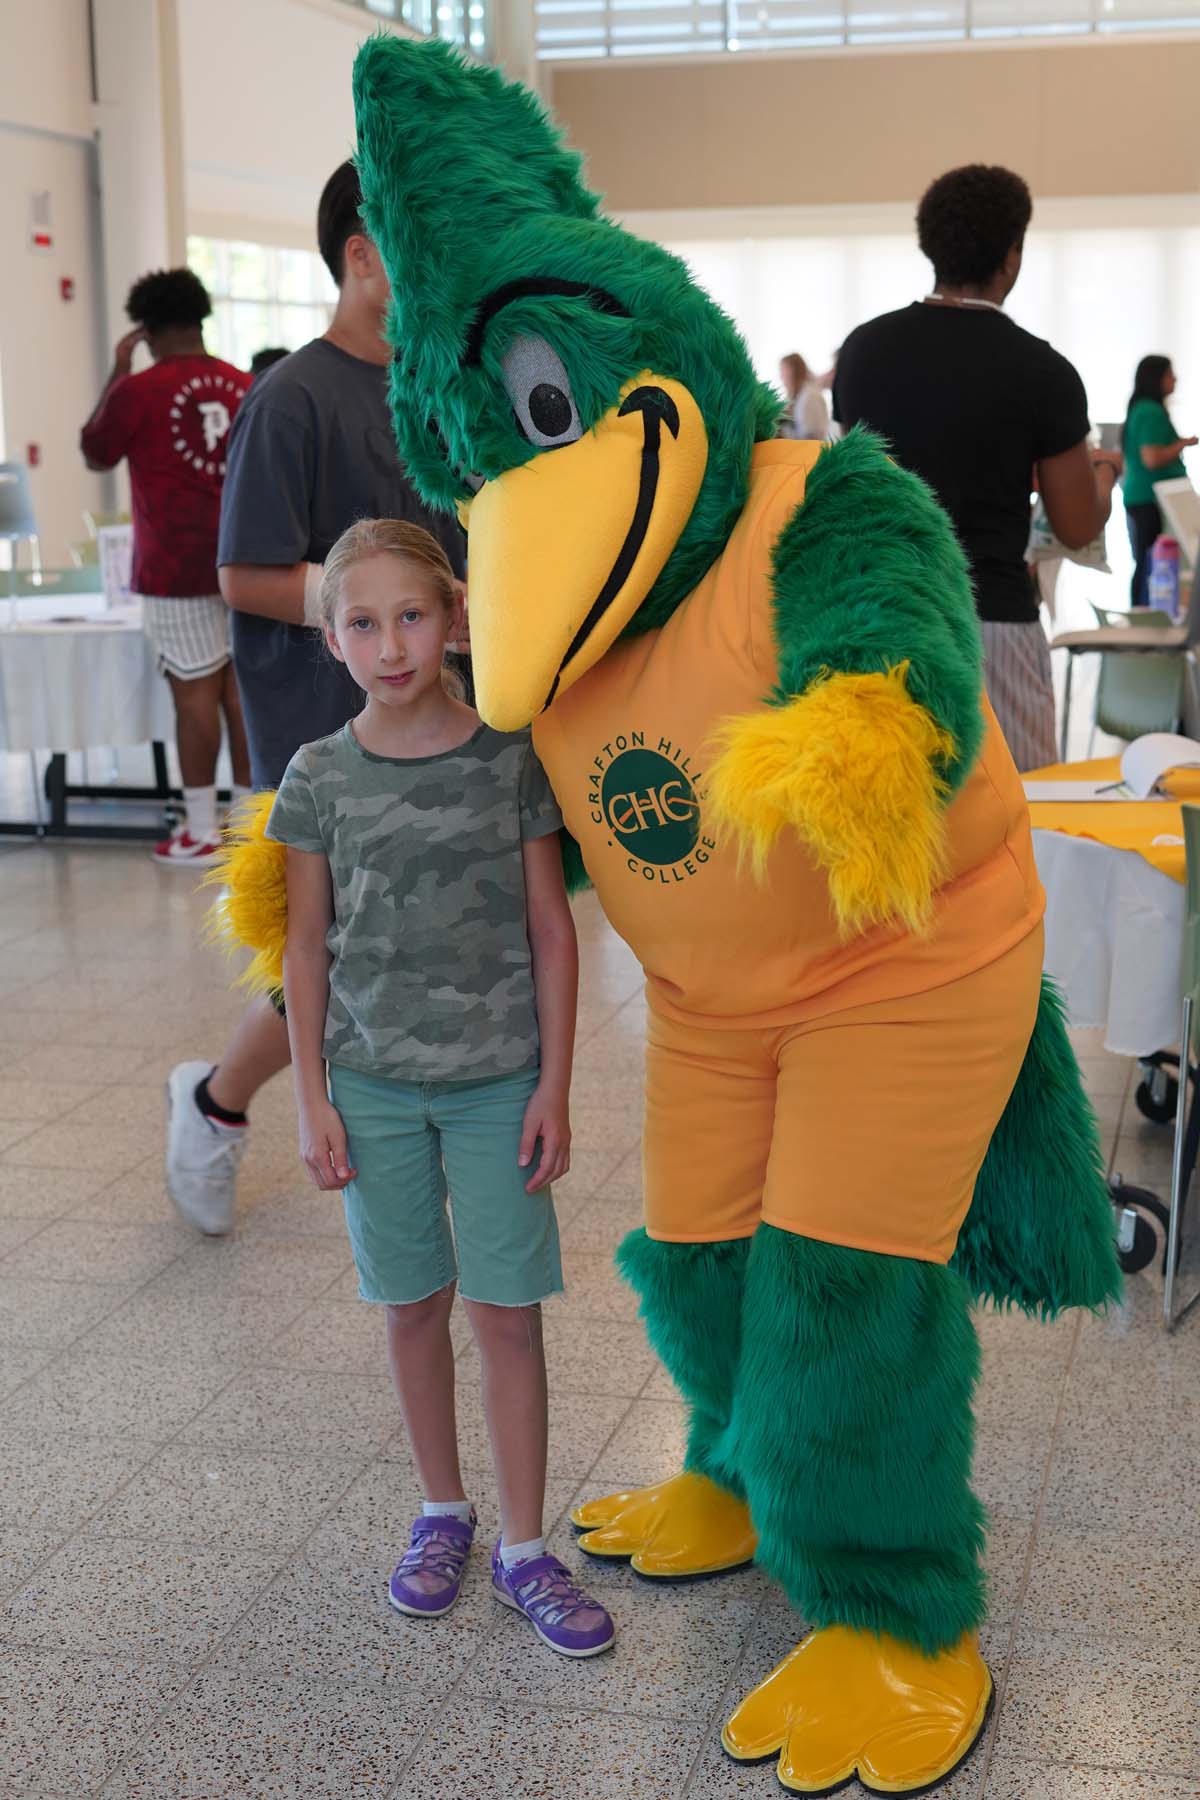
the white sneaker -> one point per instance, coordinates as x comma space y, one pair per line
202, 1154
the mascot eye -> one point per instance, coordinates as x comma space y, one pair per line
540, 390
473, 481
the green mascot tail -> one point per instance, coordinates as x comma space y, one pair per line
1040, 1233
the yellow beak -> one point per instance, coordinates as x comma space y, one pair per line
563, 550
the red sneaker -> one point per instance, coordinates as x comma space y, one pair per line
182, 850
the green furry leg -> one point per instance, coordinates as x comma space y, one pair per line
854, 1433
691, 1305
1040, 1231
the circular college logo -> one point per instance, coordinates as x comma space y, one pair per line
650, 806
200, 421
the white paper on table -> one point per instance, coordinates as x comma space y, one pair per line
1147, 759
115, 547
1081, 790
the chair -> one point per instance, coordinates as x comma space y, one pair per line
1137, 693
18, 523
96, 521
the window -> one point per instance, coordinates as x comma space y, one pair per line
569, 29
458, 21
263, 297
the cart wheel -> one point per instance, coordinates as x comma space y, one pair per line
1144, 1248
1150, 1222
1158, 1098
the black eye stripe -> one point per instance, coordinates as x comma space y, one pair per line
537, 285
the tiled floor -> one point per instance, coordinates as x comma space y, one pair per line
202, 1485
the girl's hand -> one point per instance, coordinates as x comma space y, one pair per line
546, 1117
323, 1147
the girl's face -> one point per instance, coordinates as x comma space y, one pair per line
390, 629
1168, 383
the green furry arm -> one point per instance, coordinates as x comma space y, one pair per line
574, 874
868, 575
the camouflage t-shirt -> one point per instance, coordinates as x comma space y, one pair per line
431, 978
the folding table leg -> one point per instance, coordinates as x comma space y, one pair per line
162, 780
56, 791
35, 774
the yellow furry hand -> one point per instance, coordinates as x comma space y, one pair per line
850, 766
251, 912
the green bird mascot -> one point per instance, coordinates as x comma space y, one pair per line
752, 669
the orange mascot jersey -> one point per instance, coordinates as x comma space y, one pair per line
755, 966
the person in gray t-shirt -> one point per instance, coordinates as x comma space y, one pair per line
313, 451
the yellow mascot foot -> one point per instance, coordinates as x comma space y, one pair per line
848, 1703
674, 1531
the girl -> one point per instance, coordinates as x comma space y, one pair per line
1152, 448
807, 415
431, 966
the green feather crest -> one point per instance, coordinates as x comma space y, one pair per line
467, 188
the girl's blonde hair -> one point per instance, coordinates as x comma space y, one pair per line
411, 544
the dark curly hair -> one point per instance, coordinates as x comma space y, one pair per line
168, 299
969, 220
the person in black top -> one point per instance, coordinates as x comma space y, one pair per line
981, 409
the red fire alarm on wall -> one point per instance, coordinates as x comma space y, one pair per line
33, 455
66, 287
41, 233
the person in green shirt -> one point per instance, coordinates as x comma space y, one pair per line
1152, 449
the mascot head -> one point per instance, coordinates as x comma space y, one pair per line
567, 386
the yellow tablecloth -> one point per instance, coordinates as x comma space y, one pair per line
1122, 825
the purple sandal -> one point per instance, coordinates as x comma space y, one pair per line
428, 1578
548, 1594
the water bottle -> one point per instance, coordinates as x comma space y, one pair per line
1164, 576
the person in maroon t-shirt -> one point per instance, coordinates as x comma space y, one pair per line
172, 422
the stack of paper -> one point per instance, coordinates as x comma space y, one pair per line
1143, 765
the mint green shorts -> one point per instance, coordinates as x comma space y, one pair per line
412, 1143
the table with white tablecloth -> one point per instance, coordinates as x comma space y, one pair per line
1114, 875
76, 675
1114, 940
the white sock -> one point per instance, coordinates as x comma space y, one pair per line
239, 793
201, 804
512, 1554
447, 1509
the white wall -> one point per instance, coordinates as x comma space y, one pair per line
267, 111
50, 357
139, 126
45, 65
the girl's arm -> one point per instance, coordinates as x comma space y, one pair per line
306, 994
556, 986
